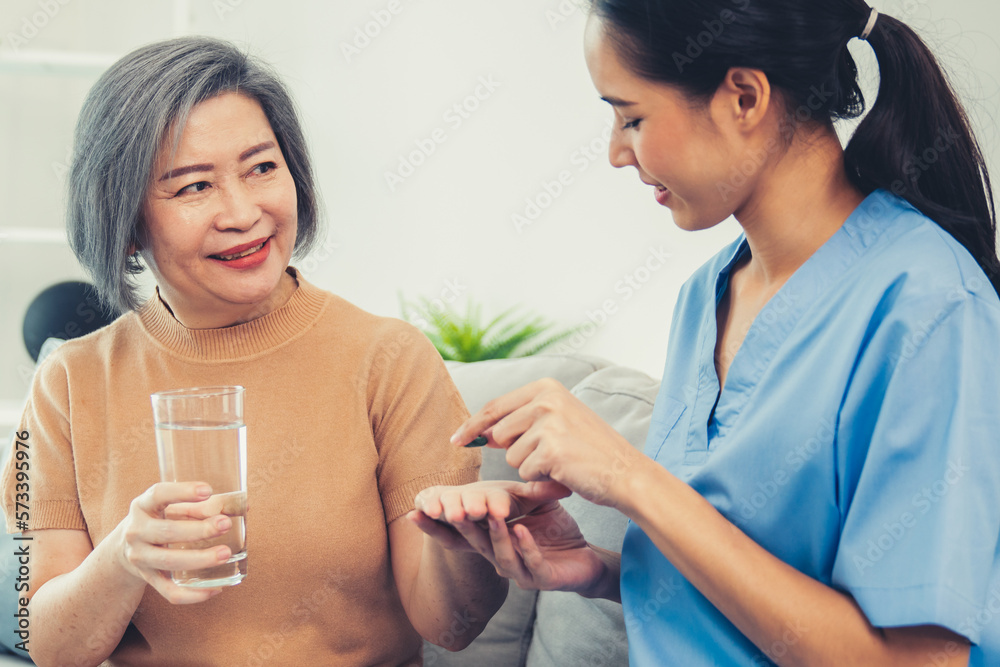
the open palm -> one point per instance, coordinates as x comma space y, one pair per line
548, 551
539, 546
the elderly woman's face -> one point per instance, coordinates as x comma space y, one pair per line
220, 214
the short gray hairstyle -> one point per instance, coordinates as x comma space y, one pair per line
124, 120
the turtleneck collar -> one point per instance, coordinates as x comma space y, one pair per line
240, 341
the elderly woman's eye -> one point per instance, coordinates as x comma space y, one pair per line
264, 168
200, 186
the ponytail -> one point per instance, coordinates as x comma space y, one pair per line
917, 142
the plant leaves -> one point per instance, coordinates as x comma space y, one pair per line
463, 338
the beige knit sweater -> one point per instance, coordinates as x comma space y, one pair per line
348, 417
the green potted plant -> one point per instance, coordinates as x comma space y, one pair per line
465, 338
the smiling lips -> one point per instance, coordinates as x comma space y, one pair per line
244, 256
662, 195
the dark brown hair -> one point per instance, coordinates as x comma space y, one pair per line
916, 141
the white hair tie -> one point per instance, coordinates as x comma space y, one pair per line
872, 18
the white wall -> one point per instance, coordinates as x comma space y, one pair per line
450, 222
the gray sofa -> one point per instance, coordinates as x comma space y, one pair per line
554, 629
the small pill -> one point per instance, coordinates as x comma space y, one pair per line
478, 442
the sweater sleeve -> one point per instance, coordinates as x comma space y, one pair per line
39, 477
414, 408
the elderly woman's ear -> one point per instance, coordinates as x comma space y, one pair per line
139, 240
133, 251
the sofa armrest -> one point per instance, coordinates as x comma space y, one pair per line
569, 629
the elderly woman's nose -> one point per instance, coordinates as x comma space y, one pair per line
240, 208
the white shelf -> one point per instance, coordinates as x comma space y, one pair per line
81, 63
32, 235
73, 63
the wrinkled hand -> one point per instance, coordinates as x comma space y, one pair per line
549, 434
174, 514
540, 548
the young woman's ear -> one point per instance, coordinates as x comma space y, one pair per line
744, 97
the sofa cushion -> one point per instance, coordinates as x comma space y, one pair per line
569, 629
504, 642
483, 381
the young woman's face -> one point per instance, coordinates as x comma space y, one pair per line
674, 144
221, 213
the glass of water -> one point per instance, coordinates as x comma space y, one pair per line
201, 437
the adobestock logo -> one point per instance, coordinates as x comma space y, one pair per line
630, 284
696, 44
795, 460
754, 160
32, 25
566, 10
895, 532
455, 117
551, 190
365, 34
223, 7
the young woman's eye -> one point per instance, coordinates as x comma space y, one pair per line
200, 186
632, 124
264, 168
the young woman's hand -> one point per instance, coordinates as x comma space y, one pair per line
174, 514
520, 528
549, 434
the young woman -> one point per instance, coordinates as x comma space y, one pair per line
821, 483
189, 155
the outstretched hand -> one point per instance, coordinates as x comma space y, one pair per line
521, 528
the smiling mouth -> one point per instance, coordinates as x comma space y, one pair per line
248, 251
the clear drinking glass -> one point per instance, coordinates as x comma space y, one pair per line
201, 437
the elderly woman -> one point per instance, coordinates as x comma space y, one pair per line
189, 159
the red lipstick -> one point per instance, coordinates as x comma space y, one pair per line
245, 261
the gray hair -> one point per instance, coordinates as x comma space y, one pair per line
127, 115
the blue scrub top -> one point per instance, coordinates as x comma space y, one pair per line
857, 439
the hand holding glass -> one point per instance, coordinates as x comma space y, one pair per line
201, 437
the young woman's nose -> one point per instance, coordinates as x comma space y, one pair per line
619, 152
